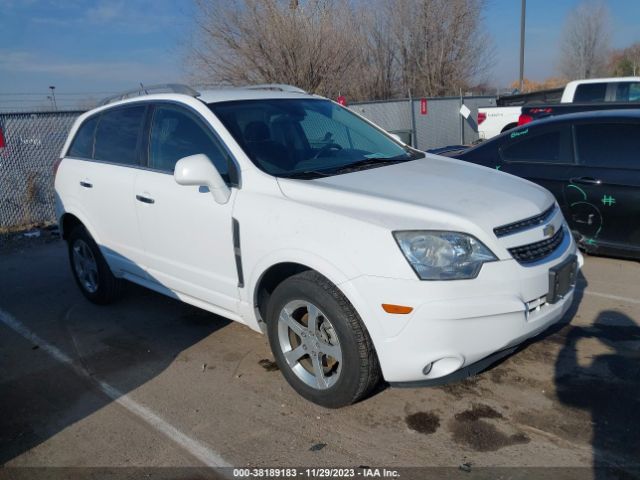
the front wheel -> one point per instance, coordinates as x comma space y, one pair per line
319, 342
90, 270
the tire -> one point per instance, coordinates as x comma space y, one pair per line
346, 367
90, 270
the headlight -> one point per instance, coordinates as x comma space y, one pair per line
436, 255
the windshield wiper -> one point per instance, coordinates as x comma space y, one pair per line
369, 162
305, 174
352, 167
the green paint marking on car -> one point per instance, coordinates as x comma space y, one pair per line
590, 241
608, 200
584, 195
498, 167
519, 134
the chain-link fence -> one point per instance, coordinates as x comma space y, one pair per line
431, 124
32, 143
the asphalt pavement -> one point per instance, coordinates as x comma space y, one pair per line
152, 382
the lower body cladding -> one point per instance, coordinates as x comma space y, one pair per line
458, 325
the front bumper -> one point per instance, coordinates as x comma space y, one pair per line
457, 323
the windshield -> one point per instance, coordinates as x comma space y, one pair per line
307, 138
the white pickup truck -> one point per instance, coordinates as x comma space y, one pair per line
494, 120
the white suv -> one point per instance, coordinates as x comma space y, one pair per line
359, 256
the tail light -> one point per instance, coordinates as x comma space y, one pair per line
524, 119
2, 142
537, 111
481, 117
56, 165
528, 117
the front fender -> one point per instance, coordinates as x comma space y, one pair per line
332, 272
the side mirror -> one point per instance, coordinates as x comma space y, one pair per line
198, 170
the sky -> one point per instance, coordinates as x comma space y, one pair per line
98, 47
545, 20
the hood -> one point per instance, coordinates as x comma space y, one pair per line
432, 193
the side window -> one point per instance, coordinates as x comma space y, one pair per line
628, 92
82, 145
117, 135
609, 145
176, 134
549, 146
590, 92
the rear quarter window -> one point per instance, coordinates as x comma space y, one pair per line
82, 145
118, 135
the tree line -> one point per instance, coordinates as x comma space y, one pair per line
380, 49
374, 49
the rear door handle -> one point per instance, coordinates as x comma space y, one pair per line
586, 180
143, 199
86, 184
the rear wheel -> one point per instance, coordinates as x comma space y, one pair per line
90, 270
319, 341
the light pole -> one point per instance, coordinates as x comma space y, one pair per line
522, 18
53, 96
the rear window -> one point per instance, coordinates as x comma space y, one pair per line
609, 145
590, 92
118, 134
82, 146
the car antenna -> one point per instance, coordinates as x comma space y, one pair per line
144, 89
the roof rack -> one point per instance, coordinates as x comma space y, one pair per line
161, 88
281, 87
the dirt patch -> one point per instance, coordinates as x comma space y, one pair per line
268, 365
482, 436
423, 422
476, 412
470, 430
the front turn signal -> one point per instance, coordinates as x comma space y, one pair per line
397, 309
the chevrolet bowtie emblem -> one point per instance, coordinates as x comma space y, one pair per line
549, 230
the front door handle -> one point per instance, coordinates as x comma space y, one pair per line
86, 184
144, 199
586, 180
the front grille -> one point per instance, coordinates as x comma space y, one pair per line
539, 250
525, 224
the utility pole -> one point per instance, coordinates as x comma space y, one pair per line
522, 18
53, 96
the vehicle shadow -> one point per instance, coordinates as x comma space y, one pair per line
125, 345
608, 388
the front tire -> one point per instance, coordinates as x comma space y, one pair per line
90, 270
320, 343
